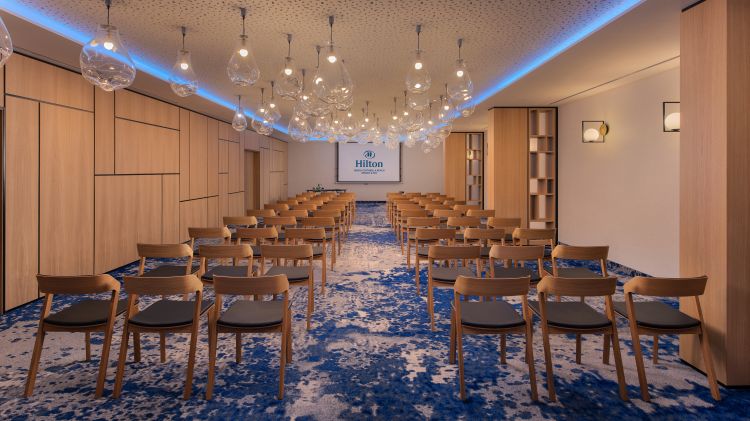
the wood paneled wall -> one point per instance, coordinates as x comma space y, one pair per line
507, 170
455, 165
89, 174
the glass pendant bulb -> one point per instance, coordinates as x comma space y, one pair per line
332, 82
418, 101
182, 80
272, 112
242, 68
6, 44
266, 128
309, 102
290, 81
299, 128
418, 79
466, 107
105, 61
345, 105
460, 85
446, 113
239, 121
348, 124
321, 126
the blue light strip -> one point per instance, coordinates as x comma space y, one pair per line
37, 18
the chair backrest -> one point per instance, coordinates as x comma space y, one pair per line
164, 251
481, 213
244, 221
276, 206
215, 233
297, 213
225, 251
524, 236
465, 208
319, 221
436, 206
257, 234
577, 287
305, 234
262, 213
666, 287
259, 285
280, 222
83, 284
434, 234
464, 221
287, 251
171, 285
593, 253
308, 206
422, 221
453, 252
492, 287
509, 224
332, 213
405, 214
447, 213
484, 235
290, 202
513, 253
400, 207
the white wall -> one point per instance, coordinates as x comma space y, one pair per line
625, 192
314, 163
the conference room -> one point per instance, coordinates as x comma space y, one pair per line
238, 209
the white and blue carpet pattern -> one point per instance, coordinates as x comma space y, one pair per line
370, 355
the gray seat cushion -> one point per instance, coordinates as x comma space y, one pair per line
572, 314
251, 314
238, 271
168, 270
658, 315
577, 272
443, 274
490, 314
293, 273
85, 313
516, 272
318, 250
168, 313
423, 250
484, 252
329, 237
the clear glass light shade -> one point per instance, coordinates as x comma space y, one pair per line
348, 124
418, 79
289, 83
105, 61
320, 127
332, 82
391, 143
182, 80
242, 68
299, 128
239, 121
6, 44
446, 112
272, 112
410, 141
345, 105
418, 101
266, 128
460, 85
309, 103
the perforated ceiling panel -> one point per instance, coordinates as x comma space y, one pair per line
376, 38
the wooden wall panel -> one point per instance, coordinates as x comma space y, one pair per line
21, 201
137, 107
104, 132
507, 163
236, 203
212, 157
193, 213
213, 217
252, 140
226, 132
128, 211
223, 157
264, 181
198, 150
34, 79
233, 158
454, 158
170, 209
66, 195
224, 195
184, 154
2, 88
145, 149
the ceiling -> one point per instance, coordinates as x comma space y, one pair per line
504, 40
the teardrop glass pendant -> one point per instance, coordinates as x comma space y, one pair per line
332, 83
418, 101
299, 128
289, 85
418, 79
242, 68
239, 121
460, 85
105, 62
6, 44
182, 80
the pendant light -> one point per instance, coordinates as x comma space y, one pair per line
289, 85
446, 111
376, 133
332, 83
242, 68
182, 80
299, 128
419, 101
239, 121
105, 61
418, 78
257, 123
460, 85
308, 100
272, 110
6, 44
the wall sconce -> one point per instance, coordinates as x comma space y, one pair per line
594, 131
671, 116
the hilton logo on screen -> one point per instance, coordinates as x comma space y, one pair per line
368, 161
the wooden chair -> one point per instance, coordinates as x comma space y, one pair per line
255, 237
508, 224
260, 214
297, 213
296, 275
308, 206
568, 317
336, 214
290, 202
658, 318
394, 206
281, 223
166, 251
444, 214
412, 223
317, 238
226, 252
535, 236
485, 238
460, 223
402, 224
245, 316
276, 207
328, 223
423, 238
89, 315
465, 208
234, 222
483, 214
493, 317
445, 277
162, 316
222, 234
513, 262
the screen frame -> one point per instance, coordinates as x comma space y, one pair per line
400, 168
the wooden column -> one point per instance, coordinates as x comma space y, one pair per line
507, 168
715, 179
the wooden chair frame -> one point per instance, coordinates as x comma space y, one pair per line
429, 236
447, 254
295, 253
312, 235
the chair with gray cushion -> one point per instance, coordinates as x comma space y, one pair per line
454, 260
412, 223
239, 222
658, 318
297, 275
231, 256
166, 251
281, 223
461, 223
209, 235
577, 317
511, 262
89, 315
494, 317
260, 214
534, 237
424, 238
257, 236
245, 316
507, 224
486, 238
162, 316
319, 239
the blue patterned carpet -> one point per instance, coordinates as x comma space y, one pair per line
370, 355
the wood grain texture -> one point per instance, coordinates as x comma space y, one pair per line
223, 157
184, 154
193, 213
198, 150
224, 195
2, 88
213, 216
128, 210
21, 201
170, 209
252, 140
104, 132
454, 159
233, 158
145, 149
34, 79
506, 171
66, 195
212, 157
236, 204
137, 107
226, 132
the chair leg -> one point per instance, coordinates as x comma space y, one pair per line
191, 361
708, 361
639, 363
324, 276
310, 301
282, 365
289, 338
430, 306
408, 252
452, 347
618, 364
530, 360
136, 347
87, 339
416, 274
461, 380
104, 362
163, 347
121, 360
333, 253
503, 344
605, 352
655, 355
34, 365
548, 364
238, 347
212, 345
578, 348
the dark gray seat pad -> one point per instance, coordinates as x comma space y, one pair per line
572, 314
168, 270
226, 270
577, 272
85, 313
253, 314
490, 314
516, 272
451, 274
293, 273
658, 315
169, 313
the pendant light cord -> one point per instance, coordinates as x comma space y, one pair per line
243, 13
460, 44
184, 31
395, 107
330, 24
108, 4
289, 45
419, 32
317, 49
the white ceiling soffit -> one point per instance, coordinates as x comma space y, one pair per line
504, 41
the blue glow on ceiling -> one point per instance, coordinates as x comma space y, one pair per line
34, 16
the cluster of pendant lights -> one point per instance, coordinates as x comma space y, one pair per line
324, 107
